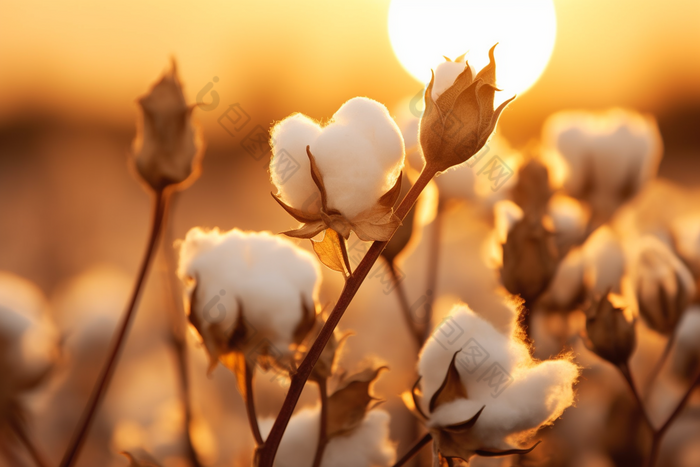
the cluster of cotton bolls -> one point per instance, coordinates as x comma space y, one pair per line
500, 287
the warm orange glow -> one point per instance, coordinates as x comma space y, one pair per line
422, 31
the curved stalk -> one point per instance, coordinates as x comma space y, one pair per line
323, 429
414, 450
265, 455
413, 327
72, 452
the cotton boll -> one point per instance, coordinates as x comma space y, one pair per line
290, 137
664, 286
605, 261
607, 157
567, 285
360, 154
497, 372
255, 278
366, 446
28, 337
569, 218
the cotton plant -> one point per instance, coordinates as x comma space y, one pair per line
603, 159
251, 297
29, 348
480, 393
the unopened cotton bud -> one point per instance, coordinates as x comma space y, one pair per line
459, 116
167, 147
663, 284
611, 333
248, 292
481, 393
686, 359
351, 167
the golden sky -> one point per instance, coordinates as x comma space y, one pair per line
274, 57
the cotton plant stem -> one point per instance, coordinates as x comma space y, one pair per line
414, 328
37, 456
660, 363
627, 374
414, 450
323, 428
72, 452
250, 404
433, 266
178, 331
265, 455
657, 433
661, 431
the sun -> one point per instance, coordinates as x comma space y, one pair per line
423, 31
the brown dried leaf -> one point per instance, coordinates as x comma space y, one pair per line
451, 387
507, 452
307, 322
309, 230
388, 199
348, 405
296, 213
317, 178
330, 253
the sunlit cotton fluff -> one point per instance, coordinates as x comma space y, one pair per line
360, 154
529, 396
28, 338
603, 158
367, 445
274, 282
445, 75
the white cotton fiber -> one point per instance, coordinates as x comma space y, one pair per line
267, 276
526, 396
360, 154
367, 445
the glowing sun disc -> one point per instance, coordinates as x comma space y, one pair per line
422, 31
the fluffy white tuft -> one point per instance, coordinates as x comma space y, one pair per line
615, 152
367, 445
360, 154
445, 75
519, 394
267, 276
28, 337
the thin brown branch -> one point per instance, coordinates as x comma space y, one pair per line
265, 455
81, 431
323, 429
625, 370
433, 267
344, 251
660, 363
414, 450
178, 330
37, 456
659, 434
413, 327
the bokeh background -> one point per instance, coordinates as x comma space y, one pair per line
74, 220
